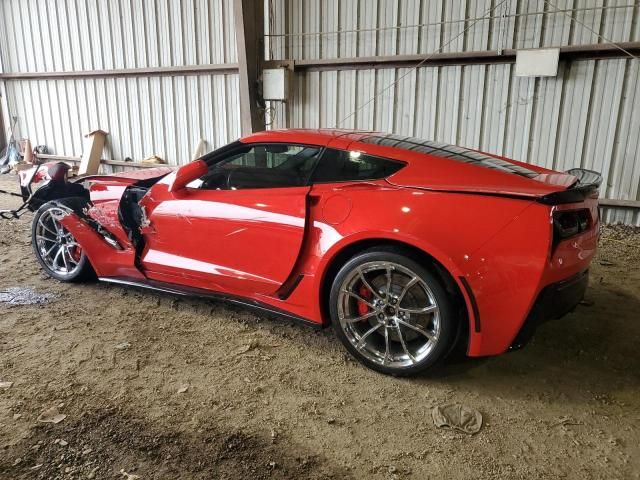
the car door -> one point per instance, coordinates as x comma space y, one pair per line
237, 229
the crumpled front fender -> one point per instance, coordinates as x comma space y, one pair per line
107, 257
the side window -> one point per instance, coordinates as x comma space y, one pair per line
262, 166
342, 166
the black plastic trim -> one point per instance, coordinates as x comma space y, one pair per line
553, 302
288, 287
587, 184
474, 304
201, 293
573, 195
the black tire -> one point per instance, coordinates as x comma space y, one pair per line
80, 272
447, 315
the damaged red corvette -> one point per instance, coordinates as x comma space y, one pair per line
406, 247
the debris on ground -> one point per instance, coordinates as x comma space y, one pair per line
6, 385
51, 415
24, 296
566, 420
457, 416
122, 346
128, 476
183, 389
253, 344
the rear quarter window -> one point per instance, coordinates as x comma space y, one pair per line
344, 166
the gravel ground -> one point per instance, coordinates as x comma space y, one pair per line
162, 387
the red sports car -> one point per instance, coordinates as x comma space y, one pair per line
405, 246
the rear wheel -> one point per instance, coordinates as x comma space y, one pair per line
391, 313
55, 247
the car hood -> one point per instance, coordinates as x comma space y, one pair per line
130, 176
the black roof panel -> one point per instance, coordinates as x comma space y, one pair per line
452, 152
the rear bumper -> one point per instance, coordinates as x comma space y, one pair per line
554, 301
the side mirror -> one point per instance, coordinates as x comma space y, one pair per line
187, 174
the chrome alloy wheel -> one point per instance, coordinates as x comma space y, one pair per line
389, 314
56, 246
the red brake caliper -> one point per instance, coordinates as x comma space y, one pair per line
76, 253
365, 293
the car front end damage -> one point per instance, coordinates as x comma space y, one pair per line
93, 209
530, 263
44, 183
29, 181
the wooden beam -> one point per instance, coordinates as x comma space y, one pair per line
211, 68
249, 23
92, 151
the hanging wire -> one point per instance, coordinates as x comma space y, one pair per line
446, 22
422, 62
601, 37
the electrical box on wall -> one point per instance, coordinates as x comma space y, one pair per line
275, 83
537, 62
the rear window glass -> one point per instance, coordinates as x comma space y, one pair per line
343, 166
445, 150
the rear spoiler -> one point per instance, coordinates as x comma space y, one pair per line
587, 184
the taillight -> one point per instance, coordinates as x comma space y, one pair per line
568, 223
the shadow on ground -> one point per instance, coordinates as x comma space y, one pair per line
593, 348
101, 443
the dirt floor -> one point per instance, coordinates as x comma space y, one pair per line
162, 387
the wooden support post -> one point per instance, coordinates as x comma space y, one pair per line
93, 145
249, 22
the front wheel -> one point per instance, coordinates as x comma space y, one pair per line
58, 252
391, 313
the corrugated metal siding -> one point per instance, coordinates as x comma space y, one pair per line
67, 35
165, 116
162, 115
585, 116
360, 28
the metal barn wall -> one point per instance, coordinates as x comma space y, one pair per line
165, 114
306, 29
585, 116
